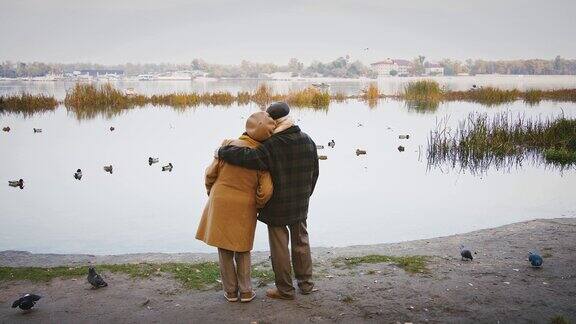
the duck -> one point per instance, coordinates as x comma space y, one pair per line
37, 130
108, 168
535, 259
400, 148
16, 183
168, 167
112, 128
360, 152
6, 129
332, 143
465, 253
404, 136
78, 174
152, 160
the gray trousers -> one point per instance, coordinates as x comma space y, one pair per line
235, 277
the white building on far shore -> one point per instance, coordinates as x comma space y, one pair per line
392, 67
433, 69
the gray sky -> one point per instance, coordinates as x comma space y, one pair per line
228, 31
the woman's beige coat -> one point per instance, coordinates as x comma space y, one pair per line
235, 195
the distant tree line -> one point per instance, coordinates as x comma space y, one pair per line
341, 67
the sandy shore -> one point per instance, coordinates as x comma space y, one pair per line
498, 286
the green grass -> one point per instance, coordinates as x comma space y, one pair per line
190, 275
412, 264
559, 319
561, 156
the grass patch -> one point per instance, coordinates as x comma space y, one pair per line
190, 275
309, 97
27, 104
412, 264
559, 319
488, 96
479, 141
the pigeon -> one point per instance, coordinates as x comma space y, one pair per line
95, 279
535, 259
465, 253
332, 143
319, 147
360, 152
78, 174
401, 148
108, 168
152, 160
404, 136
6, 129
37, 130
112, 128
26, 302
167, 167
16, 183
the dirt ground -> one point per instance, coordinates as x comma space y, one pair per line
498, 286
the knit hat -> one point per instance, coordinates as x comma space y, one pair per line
260, 126
278, 110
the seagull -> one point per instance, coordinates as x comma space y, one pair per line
16, 183
465, 253
152, 160
332, 143
78, 174
167, 167
108, 168
95, 279
6, 129
535, 259
37, 130
26, 302
401, 148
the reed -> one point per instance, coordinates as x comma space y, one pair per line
243, 97
340, 97
423, 90
371, 93
489, 96
480, 142
27, 104
309, 97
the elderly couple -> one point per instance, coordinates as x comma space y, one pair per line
269, 174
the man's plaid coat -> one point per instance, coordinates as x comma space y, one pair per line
291, 158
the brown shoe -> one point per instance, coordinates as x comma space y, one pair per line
274, 293
247, 296
231, 297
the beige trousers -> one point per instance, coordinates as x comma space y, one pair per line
301, 257
235, 277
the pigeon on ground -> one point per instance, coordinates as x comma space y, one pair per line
465, 253
78, 174
152, 160
535, 259
167, 167
6, 129
37, 130
108, 168
95, 279
16, 183
332, 143
26, 302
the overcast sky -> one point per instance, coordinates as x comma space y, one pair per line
119, 31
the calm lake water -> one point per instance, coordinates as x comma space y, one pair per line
384, 196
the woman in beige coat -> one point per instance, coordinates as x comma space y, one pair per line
229, 218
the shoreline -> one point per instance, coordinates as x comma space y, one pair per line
425, 247
364, 283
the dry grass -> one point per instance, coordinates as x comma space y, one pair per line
27, 104
371, 93
309, 97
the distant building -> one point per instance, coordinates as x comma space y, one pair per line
392, 67
433, 69
96, 73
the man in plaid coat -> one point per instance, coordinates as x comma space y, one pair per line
291, 158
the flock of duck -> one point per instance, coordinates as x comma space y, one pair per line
78, 174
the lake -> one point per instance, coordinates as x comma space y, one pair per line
383, 196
